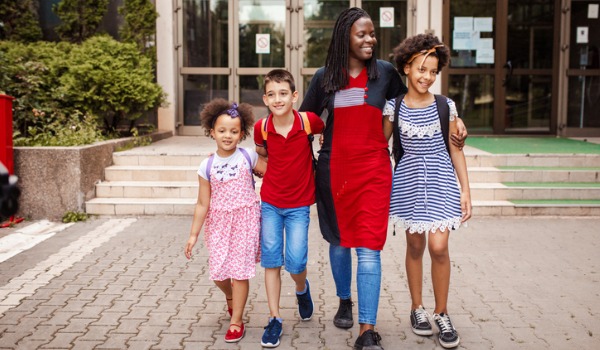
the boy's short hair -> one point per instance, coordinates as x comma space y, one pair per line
279, 76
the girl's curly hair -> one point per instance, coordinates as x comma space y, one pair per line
220, 106
420, 43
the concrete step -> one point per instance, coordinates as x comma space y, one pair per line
538, 160
151, 189
499, 192
147, 189
158, 159
140, 206
506, 208
151, 173
480, 174
185, 206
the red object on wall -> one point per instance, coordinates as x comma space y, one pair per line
6, 145
6, 131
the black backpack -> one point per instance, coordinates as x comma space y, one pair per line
444, 114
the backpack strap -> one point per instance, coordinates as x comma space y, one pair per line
306, 126
397, 150
305, 123
263, 130
443, 109
247, 156
209, 166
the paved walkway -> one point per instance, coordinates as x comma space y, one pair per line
123, 283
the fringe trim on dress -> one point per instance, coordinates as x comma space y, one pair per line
432, 227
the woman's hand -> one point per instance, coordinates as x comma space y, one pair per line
461, 135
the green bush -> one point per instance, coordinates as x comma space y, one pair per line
111, 80
41, 117
64, 92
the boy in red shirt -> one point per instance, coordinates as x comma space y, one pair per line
287, 192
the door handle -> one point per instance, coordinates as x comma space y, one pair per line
509, 72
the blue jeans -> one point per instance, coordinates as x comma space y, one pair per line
291, 222
368, 279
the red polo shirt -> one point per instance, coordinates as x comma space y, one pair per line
289, 181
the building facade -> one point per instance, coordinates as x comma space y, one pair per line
518, 66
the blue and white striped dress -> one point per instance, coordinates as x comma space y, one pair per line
425, 194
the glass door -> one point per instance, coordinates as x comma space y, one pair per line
583, 72
503, 59
226, 47
204, 57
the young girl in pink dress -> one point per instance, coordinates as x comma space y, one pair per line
229, 206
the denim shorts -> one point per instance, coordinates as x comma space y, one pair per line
294, 223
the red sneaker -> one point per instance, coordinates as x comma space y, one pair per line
235, 336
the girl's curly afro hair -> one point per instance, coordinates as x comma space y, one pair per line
220, 106
417, 44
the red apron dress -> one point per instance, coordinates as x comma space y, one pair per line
359, 168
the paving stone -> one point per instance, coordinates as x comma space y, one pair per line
175, 305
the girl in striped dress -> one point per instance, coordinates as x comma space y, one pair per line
425, 198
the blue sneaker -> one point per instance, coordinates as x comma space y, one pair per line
273, 331
305, 304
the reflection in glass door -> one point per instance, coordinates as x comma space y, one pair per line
203, 56
318, 21
529, 66
583, 72
262, 46
502, 62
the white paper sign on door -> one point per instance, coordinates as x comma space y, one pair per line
386, 17
593, 11
582, 35
483, 24
263, 43
463, 24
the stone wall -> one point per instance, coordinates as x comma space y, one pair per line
54, 180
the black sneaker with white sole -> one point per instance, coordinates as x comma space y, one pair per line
419, 321
448, 336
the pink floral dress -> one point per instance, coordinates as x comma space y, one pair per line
232, 226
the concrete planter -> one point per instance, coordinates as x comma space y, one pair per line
54, 180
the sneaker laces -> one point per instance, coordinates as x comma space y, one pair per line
271, 327
444, 323
303, 300
421, 315
376, 337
